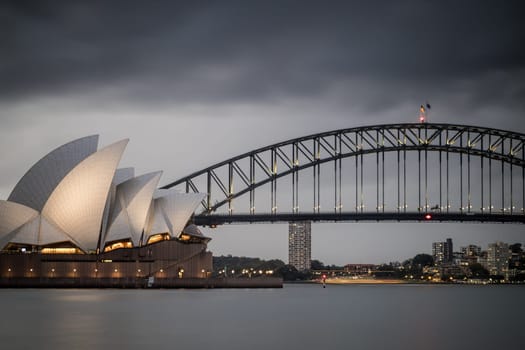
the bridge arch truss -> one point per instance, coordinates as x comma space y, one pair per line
397, 170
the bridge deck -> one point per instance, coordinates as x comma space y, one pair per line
217, 219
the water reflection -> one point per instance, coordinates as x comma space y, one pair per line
298, 316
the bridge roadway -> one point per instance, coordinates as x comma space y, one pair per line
213, 220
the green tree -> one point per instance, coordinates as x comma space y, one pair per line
290, 273
237, 264
317, 265
423, 260
516, 248
478, 271
415, 265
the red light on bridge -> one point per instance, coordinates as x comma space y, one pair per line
428, 217
423, 114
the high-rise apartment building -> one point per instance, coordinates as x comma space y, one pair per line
471, 250
442, 252
300, 245
498, 255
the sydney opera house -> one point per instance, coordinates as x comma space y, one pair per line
76, 216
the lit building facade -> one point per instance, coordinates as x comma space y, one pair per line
442, 252
498, 255
471, 250
300, 245
74, 214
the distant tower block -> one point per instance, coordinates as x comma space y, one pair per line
300, 245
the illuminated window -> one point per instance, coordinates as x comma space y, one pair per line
118, 245
158, 238
60, 250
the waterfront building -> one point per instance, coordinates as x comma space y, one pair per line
438, 252
498, 255
300, 245
75, 215
457, 259
471, 250
360, 269
516, 260
482, 259
442, 252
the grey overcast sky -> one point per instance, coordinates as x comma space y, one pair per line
193, 83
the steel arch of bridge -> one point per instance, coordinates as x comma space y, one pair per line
267, 165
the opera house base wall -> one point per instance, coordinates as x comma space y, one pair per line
168, 259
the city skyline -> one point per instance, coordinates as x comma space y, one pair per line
196, 84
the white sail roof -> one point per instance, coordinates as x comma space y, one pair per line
76, 194
28, 233
39, 231
157, 222
133, 201
13, 216
173, 210
51, 233
35, 187
77, 204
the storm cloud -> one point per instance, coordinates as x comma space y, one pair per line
251, 51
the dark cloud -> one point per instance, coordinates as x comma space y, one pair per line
215, 51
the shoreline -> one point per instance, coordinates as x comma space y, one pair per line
364, 281
372, 281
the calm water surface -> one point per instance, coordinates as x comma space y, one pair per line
295, 317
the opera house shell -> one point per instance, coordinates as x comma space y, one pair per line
74, 214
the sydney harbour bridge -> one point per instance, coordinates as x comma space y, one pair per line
392, 172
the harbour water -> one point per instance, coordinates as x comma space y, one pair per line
298, 316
